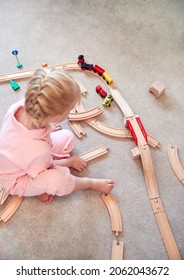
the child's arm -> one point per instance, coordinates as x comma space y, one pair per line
74, 161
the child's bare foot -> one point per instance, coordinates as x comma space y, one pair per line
46, 198
102, 185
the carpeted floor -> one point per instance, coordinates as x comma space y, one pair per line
137, 42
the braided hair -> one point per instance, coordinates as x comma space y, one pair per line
49, 94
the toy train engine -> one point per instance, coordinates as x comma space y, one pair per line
80, 59
107, 100
86, 66
100, 91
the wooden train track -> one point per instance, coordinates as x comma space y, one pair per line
29, 73
77, 128
153, 194
94, 153
117, 250
114, 212
85, 115
116, 224
3, 196
175, 162
111, 131
145, 156
11, 208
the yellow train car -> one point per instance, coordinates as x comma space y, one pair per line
107, 78
107, 100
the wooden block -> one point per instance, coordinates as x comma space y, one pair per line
135, 153
157, 88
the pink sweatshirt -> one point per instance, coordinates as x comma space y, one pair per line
26, 155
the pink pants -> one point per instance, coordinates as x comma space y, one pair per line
55, 181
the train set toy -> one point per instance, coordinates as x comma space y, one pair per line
136, 131
95, 68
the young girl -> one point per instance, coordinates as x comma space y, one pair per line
34, 160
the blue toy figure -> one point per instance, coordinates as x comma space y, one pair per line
15, 52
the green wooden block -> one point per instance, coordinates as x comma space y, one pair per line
14, 85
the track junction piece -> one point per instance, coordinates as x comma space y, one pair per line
111, 131
175, 162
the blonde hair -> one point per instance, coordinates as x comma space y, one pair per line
49, 94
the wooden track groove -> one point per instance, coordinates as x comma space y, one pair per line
114, 212
175, 162
153, 194
94, 153
85, 115
77, 128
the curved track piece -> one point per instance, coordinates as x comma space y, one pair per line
175, 162
10, 209
3, 195
123, 105
85, 115
79, 131
114, 132
114, 212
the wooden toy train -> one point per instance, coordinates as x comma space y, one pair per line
95, 68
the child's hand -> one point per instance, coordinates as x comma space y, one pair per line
55, 127
78, 163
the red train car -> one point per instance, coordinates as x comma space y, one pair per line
100, 91
98, 69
